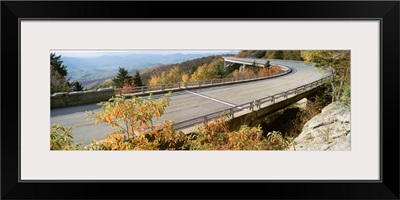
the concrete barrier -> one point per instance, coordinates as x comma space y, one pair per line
65, 99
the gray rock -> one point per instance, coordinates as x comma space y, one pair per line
302, 103
329, 130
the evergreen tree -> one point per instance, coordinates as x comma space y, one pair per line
56, 62
219, 70
254, 64
122, 78
267, 64
137, 80
254, 67
278, 55
76, 86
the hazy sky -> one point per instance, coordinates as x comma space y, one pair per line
72, 53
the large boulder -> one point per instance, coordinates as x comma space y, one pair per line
329, 130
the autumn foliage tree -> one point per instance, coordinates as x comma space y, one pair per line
203, 73
134, 120
58, 83
173, 76
155, 80
338, 63
131, 115
185, 77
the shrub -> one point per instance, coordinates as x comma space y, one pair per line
131, 115
215, 135
162, 137
61, 138
134, 118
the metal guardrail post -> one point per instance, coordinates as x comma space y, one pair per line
231, 112
211, 82
186, 84
179, 85
222, 81
251, 106
162, 87
143, 89
199, 83
205, 118
273, 99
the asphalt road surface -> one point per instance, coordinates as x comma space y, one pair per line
191, 103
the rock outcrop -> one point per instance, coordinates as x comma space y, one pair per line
329, 130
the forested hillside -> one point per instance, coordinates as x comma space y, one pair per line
188, 67
270, 54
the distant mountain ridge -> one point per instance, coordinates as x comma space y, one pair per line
91, 70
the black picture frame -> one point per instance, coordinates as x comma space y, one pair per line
386, 11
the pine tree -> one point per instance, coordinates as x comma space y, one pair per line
267, 64
122, 78
56, 62
137, 80
76, 86
219, 70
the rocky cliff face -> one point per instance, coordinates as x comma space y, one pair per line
329, 130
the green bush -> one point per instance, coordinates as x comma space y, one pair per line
61, 138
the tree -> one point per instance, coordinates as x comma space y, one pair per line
122, 78
254, 67
137, 81
267, 64
56, 62
131, 115
174, 75
219, 69
76, 86
58, 83
257, 54
274, 54
203, 73
243, 54
338, 63
155, 80
185, 78
291, 55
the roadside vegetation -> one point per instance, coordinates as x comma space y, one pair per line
58, 77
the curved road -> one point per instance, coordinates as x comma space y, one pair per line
192, 103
